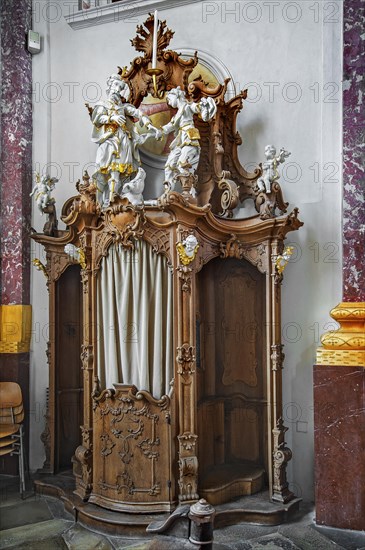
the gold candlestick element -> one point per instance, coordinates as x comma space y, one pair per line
154, 72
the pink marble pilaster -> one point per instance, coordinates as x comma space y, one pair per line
16, 147
353, 151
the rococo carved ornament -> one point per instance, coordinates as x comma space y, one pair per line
87, 357
187, 249
281, 456
232, 248
186, 359
277, 356
230, 197
124, 222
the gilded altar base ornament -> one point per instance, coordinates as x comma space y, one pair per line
346, 345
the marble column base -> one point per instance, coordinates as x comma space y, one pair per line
339, 446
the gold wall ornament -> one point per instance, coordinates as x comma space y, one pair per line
82, 257
40, 267
282, 260
187, 249
346, 345
15, 328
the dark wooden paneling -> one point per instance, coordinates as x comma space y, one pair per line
68, 366
232, 380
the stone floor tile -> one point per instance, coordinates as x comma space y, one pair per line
351, 540
57, 508
273, 542
24, 513
243, 532
306, 538
79, 538
28, 534
53, 543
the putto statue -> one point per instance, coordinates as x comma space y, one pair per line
185, 148
187, 249
269, 168
133, 189
117, 157
42, 192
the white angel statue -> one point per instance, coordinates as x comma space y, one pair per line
185, 148
117, 157
133, 189
269, 167
42, 190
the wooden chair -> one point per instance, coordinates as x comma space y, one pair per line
11, 427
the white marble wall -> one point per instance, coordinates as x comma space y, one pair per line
288, 55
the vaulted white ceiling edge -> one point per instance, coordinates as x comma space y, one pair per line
118, 11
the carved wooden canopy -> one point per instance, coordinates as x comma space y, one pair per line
222, 181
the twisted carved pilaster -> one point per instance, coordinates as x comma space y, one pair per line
277, 356
188, 467
281, 456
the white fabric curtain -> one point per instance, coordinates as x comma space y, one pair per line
134, 317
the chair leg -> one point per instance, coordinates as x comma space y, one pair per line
21, 462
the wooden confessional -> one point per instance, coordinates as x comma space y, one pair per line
218, 432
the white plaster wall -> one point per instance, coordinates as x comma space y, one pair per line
288, 55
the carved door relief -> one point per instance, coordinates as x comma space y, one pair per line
132, 438
232, 385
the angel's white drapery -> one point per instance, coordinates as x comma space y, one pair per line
134, 317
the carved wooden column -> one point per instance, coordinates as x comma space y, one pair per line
186, 372
83, 453
48, 435
281, 454
57, 262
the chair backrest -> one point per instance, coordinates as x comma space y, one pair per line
11, 403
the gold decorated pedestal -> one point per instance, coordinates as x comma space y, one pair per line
346, 345
15, 328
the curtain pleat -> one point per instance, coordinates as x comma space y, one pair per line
134, 317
